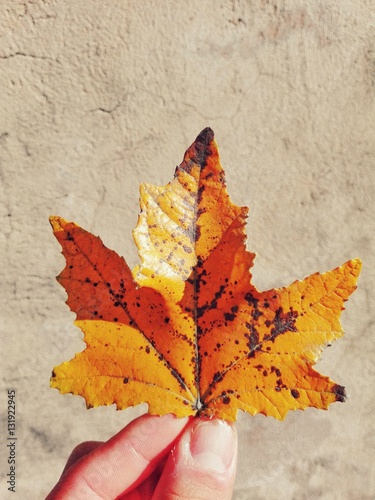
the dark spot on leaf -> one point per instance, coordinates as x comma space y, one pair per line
125, 380
251, 300
253, 339
213, 305
218, 377
295, 393
255, 314
283, 322
201, 189
226, 400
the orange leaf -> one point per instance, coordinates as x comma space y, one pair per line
187, 332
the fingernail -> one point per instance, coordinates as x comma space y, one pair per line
213, 444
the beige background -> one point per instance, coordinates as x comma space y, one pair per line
98, 96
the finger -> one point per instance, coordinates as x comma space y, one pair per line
80, 451
146, 489
128, 457
202, 464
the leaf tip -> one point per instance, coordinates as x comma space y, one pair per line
197, 154
57, 223
339, 392
356, 265
206, 136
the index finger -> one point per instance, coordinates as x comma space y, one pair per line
123, 461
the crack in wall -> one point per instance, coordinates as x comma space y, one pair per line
32, 56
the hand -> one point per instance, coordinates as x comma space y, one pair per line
154, 458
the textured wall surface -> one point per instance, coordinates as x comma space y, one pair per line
98, 96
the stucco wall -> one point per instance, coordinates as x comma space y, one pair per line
98, 96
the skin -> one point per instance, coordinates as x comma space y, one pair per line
154, 458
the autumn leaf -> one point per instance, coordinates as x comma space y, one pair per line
186, 331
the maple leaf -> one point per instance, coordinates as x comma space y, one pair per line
187, 332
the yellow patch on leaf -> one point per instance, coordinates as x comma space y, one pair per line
186, 331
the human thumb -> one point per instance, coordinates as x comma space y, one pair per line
202, 464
